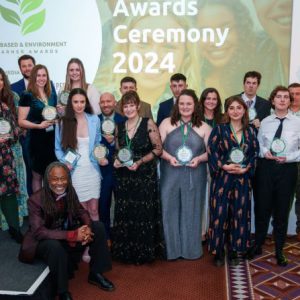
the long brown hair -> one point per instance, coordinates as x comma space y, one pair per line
68, 83
218, 109
69, 122
48, 199
6, 94
175, 114
239, 100
32, 82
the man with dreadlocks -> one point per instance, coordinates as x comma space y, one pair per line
59, 230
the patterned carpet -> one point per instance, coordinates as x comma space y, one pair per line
261, 278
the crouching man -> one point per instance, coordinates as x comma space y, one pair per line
59, 231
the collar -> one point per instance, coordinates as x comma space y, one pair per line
245, 98
287, 116
111, 117
60, 196
26, 81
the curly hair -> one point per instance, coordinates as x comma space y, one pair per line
175, 114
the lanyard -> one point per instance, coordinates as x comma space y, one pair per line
234, 133
185, 135
127, 139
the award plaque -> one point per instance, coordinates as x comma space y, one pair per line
5, 128
108, 127
63, 97
184, 154
252, 113
71, 157
237, 156
100, 151
278, 146
125, 157
49, 113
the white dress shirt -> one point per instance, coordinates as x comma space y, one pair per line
290, 135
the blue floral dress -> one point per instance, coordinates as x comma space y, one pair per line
230, 194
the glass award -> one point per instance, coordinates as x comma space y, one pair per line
49, 113
63, 97
237, 156
125, 157
252, 113
100, 151
278, 147
71, 157
5, 129
108, 127
184, 154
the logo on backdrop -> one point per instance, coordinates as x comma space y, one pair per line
30, 17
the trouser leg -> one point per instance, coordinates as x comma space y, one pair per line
100, 256
55, 256
9, 207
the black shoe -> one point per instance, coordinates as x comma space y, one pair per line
233, 259
65, 296
252, 252
219, 260
16, 234
281, 260
100, 281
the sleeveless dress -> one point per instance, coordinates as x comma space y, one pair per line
85, 178
183, 191
137, 233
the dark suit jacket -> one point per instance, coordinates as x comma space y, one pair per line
111, 148
19, 87
144, 112
262, 106
42, 226
164, 110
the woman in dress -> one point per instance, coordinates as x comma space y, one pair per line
232, 152
183, 177
11, 100
75, 78
38, 96
79, 133
9, 133
137, 236
211, 114
276, 174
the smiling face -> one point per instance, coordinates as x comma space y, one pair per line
107, 104
281, 101
78, 103
74, 72
276, 18
218, 56
186, 106
26, 66
41, 78
58, 180
211, 101
236, 111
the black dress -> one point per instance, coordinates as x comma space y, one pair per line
137, 234
41, 141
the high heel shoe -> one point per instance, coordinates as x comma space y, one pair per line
16, 234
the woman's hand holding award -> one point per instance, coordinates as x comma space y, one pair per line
49, 113
5, 129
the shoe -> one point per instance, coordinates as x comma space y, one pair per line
65, 296
219, 260
252, 252
100, 281
281, 260
233, 259
16, 234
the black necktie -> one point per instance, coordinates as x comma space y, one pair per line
279, 129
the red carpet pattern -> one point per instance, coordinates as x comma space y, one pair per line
273, 282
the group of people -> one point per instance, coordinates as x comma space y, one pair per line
177, 182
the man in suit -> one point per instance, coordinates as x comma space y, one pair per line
259, 106
107, 104
177, 85
294, 89
60, 229
129, 84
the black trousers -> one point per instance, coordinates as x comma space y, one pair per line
273, 195
62, 259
